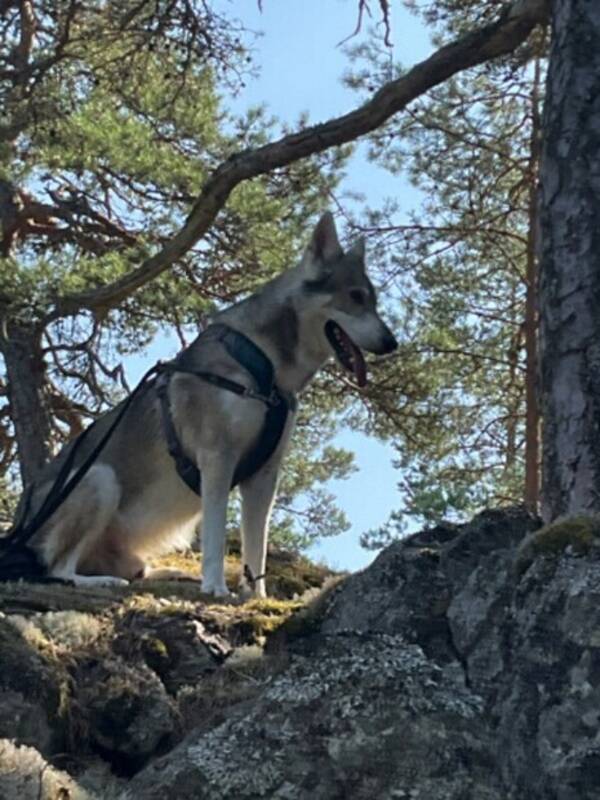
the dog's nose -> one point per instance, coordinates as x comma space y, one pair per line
390, 343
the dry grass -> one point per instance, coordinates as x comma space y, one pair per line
289, 575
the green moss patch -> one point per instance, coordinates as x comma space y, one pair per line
289, 575
307, 617
580, 533
251, 622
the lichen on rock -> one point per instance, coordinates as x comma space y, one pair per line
437, 673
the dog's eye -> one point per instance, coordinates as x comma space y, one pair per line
357, 297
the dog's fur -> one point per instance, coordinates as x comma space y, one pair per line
132, 503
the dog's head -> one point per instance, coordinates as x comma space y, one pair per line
343, 300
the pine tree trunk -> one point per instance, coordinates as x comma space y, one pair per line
24, 364
570, 264
532, 413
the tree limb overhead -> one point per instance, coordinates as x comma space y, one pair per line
512, 27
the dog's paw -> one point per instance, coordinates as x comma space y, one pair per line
167, 574
217, 590
98, 580
247, 592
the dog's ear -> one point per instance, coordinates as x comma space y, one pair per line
324, 246
358, 249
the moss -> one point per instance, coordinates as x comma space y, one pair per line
271, 606
186, 560
156, 654
190, 561
579, 533
288, 575
291, 575
156, 646
242, 623
308, 616
252, 621
153, 605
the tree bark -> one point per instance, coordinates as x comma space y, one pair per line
25, 371
570, 263
532, 411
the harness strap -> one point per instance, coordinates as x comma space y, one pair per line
256, 363
270, 399
241, 349
186, 469
18, 560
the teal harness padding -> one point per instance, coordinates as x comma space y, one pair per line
278, 405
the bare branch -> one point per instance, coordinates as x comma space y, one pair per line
28, 27
385, 13
362, 7
490, 41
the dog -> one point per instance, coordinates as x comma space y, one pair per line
132, 503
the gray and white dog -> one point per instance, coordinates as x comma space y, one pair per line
132, 503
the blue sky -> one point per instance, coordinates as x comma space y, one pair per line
300, 70
301, 67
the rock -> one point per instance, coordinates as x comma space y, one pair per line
125, 711
518, 616
410, 586
547, 702
32, 684
24, 775
365, 716
463, 664
177, 647
25, 720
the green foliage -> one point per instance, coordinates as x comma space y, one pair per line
115, 114
454, 399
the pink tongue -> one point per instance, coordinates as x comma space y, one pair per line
359, 366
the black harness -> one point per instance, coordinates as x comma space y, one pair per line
256, 363
17, 560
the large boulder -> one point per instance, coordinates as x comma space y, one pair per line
463, 664
411, 584
364, 716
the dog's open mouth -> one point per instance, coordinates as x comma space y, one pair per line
347, 353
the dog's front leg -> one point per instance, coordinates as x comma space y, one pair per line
258, 495
217, 472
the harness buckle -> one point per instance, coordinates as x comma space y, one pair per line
272, 400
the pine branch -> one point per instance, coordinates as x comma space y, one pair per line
490, 41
